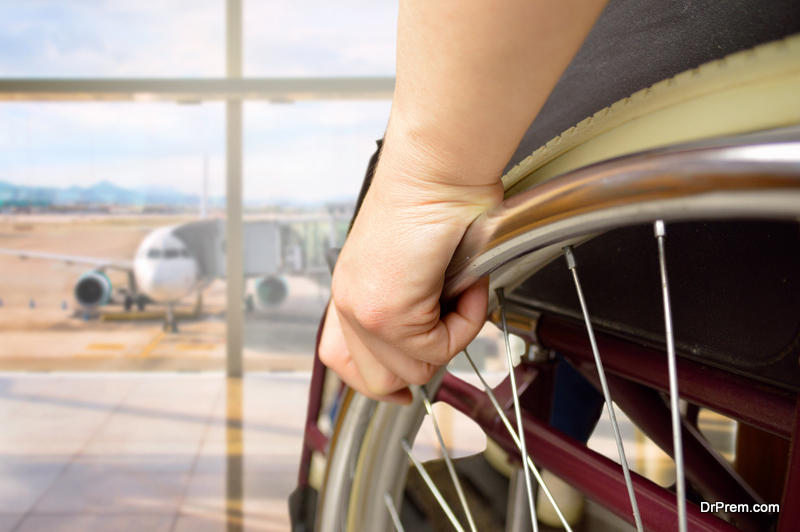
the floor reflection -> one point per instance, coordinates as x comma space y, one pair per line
156, 452
234, 478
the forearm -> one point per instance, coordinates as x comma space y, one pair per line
471, 76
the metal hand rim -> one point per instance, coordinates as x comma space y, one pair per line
753, 175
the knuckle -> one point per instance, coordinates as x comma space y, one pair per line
363, 310
422, 373
383, 385
372, 318
437, 358
340, 300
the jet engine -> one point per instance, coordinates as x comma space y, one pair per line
93, 289
271, 291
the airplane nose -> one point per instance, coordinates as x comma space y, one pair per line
167, 280
153, 281
162, 285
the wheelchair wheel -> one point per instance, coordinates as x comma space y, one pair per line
611, 177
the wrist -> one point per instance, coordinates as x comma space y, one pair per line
423, 153
418, 190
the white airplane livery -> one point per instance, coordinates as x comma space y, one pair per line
163, 267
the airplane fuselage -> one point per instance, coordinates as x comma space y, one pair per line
163, 268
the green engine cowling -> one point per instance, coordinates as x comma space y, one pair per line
93, 289
271, 291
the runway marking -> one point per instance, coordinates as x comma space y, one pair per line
195, 347
152, 345
105, 347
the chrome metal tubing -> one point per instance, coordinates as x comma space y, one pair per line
748, 175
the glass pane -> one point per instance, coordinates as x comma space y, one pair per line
119, 38
316, 38
150, 148
304, 164
96, 195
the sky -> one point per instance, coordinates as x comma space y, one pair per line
305, 151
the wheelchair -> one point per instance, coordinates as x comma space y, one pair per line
665, 224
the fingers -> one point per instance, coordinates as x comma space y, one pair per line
334, 353
417, 354
382, 377
383, 370
464, 324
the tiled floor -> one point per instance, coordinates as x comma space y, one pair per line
148, 452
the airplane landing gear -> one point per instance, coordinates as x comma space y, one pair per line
170, 324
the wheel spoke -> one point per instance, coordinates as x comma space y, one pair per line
571, 264
393, 512
517, 518
429, 481
515, 394
448, 461
514, 436
660, 232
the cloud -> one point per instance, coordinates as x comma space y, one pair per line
110, 38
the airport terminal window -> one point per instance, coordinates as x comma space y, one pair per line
139, 166
92, 180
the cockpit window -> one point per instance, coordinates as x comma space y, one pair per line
154, 254
172, 253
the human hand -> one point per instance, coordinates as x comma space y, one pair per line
384, 329
470, 79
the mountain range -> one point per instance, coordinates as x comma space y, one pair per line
105, 193
102, 193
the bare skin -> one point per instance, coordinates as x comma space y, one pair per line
471, 76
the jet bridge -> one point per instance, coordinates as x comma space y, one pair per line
263, 247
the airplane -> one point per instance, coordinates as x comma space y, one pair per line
172, 262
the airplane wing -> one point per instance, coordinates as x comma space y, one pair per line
96, 262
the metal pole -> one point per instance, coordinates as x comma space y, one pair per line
233, 34
233, 196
